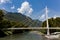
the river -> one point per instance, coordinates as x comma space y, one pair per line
26, 36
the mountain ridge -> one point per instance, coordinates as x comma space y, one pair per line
18, 17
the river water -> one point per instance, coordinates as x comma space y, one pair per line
26, 36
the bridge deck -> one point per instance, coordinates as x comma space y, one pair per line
36, 28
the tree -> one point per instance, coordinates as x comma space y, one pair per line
1, 15
52, 23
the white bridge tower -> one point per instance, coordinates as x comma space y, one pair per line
46, 10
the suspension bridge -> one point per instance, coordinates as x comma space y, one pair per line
47, 27
38, 28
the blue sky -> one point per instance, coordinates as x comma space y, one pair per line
34, 8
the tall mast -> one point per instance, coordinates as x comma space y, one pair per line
46, 9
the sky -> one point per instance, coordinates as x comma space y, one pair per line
34, 9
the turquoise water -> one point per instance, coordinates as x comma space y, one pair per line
28, 36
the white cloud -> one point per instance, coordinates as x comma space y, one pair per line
55, 16
4, 1
42, 17
13, 7
25, 8
3, 8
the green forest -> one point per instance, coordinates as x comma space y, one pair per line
5, 23
52, 23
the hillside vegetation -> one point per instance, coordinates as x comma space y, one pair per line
52, 23
15, 20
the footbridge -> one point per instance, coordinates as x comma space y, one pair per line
32, 28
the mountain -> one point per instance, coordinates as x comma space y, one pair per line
15, 20
36, 23
18, 17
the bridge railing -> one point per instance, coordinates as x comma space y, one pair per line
32, 28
